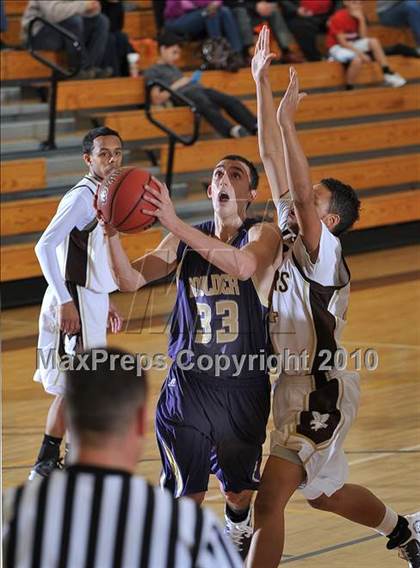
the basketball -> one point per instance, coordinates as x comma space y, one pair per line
119, 200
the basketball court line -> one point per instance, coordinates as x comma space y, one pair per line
383, 455
331, 548
376, 456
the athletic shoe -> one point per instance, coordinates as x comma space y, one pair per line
240, 533
394, 80
410, 550
44, 468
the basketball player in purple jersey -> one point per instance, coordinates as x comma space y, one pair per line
208, 420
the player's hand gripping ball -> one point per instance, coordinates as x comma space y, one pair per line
119, 200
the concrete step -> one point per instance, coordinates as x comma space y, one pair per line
12, 131
10, 94
29, 145
15, 110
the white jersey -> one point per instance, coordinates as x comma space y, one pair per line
72, 248
309, 302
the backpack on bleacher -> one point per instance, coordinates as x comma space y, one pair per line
216, 54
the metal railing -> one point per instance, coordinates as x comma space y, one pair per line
58, 73
173, 137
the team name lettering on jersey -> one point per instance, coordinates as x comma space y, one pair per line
282, 284
213, 285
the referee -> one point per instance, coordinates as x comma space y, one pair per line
96, 513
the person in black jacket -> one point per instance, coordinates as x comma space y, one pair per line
306, 19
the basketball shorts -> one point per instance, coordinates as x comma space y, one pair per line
207, 425
53, 344
311, 423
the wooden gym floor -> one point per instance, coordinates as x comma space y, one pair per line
383, 447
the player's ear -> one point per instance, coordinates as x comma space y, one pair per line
87, 158
252, 195
331, 220
209, 191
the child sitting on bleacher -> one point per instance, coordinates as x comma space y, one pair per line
208, 102
349, 43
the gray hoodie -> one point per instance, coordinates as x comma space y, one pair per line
55, 11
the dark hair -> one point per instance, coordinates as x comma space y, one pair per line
344, 202
168, 39
255, 178
103, 395
87, 144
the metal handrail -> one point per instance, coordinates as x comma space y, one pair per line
58, 73
69, 35
173, 137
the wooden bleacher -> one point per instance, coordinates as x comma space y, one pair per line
134, 125
390, 209
361, 174
331, 141
33, 215
19, 261
22, 175
124, 91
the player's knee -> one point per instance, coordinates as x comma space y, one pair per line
324, 503
373, 42
268, 504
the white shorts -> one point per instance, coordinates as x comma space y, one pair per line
53, 344
311, 424
344, 55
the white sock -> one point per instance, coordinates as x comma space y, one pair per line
234, 131
389, 522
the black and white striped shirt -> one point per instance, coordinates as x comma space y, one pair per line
89, 517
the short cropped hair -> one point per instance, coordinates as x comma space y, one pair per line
344, 202
168, 39
103, 396
87, 144
255, 178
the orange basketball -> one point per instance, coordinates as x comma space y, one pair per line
119, 200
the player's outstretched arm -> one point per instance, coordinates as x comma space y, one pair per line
300, 178
152, 266
242, 263
269, 136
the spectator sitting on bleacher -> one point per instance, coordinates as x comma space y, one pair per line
401, 13
118, 46
348, 43
195, 18
81, 17
208, 102
251, 13
306, 19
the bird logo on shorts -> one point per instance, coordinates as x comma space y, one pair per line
71, 344
319, 421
